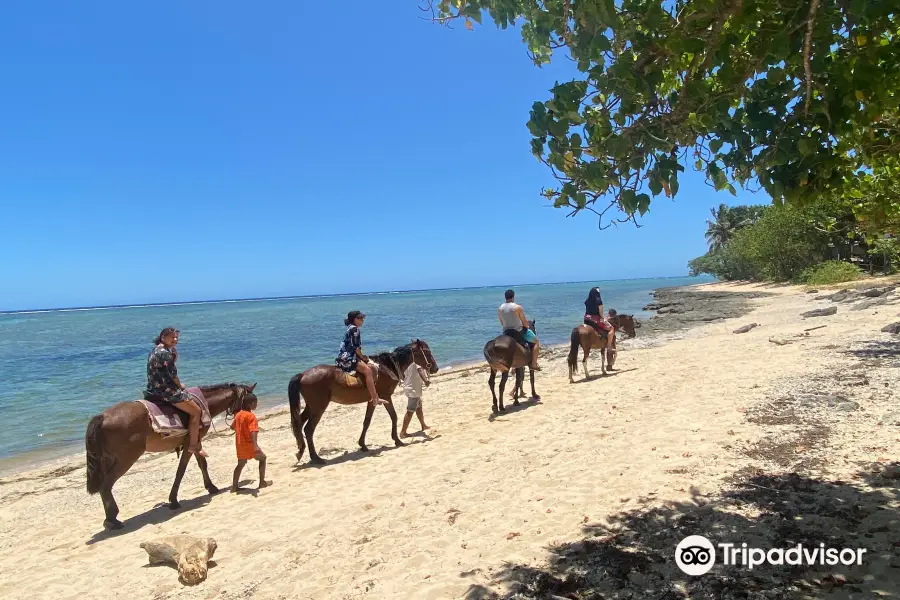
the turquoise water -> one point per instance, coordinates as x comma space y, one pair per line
61, 367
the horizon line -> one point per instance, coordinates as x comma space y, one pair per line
308, 296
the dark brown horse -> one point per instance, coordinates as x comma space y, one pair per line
504, 354
118, 436
587, 338
324, 384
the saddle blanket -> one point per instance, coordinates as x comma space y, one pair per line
168, 421
353, 380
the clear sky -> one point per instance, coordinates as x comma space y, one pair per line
177, 150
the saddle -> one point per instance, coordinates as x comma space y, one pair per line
168, 421
354, 380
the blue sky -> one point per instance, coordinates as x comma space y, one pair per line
182, 150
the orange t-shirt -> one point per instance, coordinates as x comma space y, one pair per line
245, 424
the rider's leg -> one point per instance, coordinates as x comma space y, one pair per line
366, 372
193, 412
534, 354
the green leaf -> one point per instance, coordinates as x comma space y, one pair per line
807, 146
655, 185
643, 204
715, 145
576, 140
629, 201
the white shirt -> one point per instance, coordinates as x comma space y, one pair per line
412, 381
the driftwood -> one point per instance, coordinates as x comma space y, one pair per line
188, 554
814, 328
892, 328
778, 342
746, 328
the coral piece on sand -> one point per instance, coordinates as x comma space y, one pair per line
188, 554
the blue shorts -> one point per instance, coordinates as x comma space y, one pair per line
529, 336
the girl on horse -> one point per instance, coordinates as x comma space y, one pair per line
593, 315
350, 358
163, 384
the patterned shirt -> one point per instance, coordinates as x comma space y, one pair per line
161, 372
347, 358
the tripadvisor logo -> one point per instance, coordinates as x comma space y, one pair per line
696, 555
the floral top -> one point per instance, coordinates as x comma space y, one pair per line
161, 373
347, 358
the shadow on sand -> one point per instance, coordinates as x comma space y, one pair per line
155, 516
633, 555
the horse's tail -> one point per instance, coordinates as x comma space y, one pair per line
294, 402
573, 350
93, 443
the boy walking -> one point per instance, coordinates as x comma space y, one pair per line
413, 379
246, 430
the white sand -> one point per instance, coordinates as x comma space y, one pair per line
431, 519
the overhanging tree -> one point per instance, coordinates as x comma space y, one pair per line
801, 96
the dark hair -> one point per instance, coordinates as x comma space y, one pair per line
164, 333
612, 312
509, 295
248, 401
352, 316
594, 293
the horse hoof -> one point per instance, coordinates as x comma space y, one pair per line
516, 402
174, 505
112, 524
300, 456
494, 409
316, 460
399, 443
536, 397
363, 448
213, 490
502, 409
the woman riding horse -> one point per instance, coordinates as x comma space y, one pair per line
351, 358
593, 315
163, 385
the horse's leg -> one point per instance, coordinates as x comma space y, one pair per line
503, 379
204, 468
389, 406
587, 352
179, 474
125, 456
310, 430
520, 376
491, 381
370, 410
534, 394
605, 353
301, 441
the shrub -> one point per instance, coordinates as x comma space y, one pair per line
832, 271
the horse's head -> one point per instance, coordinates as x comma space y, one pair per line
422, 356
243, 396
624, 323
531, 327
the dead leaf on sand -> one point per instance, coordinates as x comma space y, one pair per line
512, 535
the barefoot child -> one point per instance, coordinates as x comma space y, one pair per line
413, 379
246, 430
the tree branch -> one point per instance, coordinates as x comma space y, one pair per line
807, 48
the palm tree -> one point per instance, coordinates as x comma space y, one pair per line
720, 229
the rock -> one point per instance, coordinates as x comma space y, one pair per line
876, 292
892, 328
891, 472
746, 328
848, 406
891, 418
188, 554
818, 399
820, 312
841, 295
812, 291
869, 303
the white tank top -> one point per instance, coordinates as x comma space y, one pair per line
508, 317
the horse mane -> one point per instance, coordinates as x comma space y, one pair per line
388, 359
220, 386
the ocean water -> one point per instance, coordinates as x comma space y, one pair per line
58, 368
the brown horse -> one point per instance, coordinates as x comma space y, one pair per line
117, 437
504, 354
323, 384
587, 338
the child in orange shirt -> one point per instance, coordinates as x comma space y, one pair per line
246, 430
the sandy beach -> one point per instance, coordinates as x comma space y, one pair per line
776, 436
